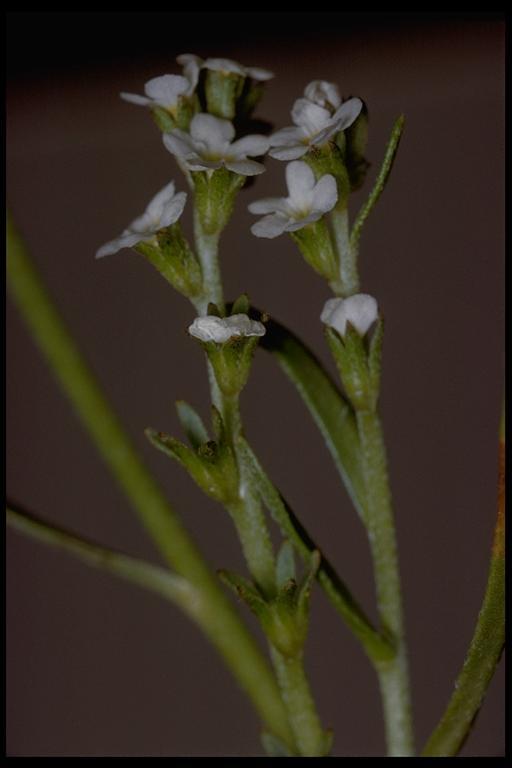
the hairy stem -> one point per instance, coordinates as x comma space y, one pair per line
349, 278
223, 626
310, 737
393, 674
207, 247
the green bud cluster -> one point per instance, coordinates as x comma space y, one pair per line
284, 617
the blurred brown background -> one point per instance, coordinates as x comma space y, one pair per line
97, 667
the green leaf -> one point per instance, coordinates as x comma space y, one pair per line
192, 424
380, 183
245, 591
333, 415
376, 646
285, 565
305, 588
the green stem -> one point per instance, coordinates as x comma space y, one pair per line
393, 674
174, 588
207, 248
310, 737
485, 649
376, 646
248, 514
378, 186
223, 627
349, 278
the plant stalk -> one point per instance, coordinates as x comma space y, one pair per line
393, 674
222, 625
486, 646
308, 731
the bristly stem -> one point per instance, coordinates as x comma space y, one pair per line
486, 646
309, 734
393, 674
207, 247
222, 625
348, 283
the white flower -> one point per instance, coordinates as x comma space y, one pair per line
166, 90
163, 210
210, 145
221, 329
314, 125
360, 310
323, 93
308, 200
226, 66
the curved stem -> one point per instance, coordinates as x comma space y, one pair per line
222, 625
174, 588
393, 674
486, 646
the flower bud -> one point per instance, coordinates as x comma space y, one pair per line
229, 343
358, 361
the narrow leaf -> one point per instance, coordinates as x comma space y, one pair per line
174, 588
192, 424
285, 565
333, 415
245, 591
338, 593
380, 183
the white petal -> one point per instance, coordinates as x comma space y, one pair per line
245, 167
242, 325
157, 204
296, 224
269, 205
325, 194
288, 153
142, 225
178, 143
197, 163
331, 130
360, 310
253, 145
184, 59
213, 131
173, 210
166, 89
225, 65
323, 93
259, 74
287, 137
221, 329
310, 116
300, 181
347, 113
191, 65
270, 226
123, 241
135, 99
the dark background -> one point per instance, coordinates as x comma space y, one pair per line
97, 667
